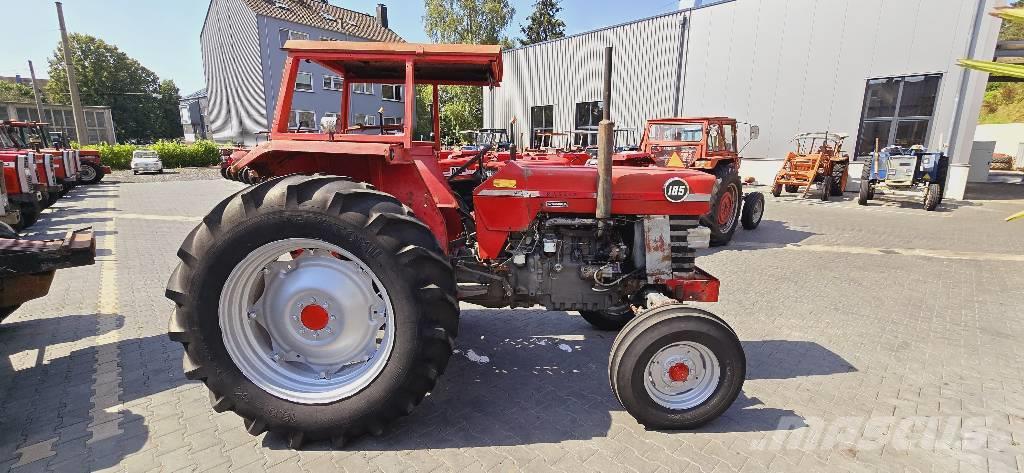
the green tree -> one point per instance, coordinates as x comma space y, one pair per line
544, 23
468, 22
11, 92
108, 76
168, 119
1004, 101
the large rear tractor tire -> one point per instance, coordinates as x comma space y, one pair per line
676, 367
90, 173
609, 320
29, 214
6, 231
726, 198
792, 188
314, 307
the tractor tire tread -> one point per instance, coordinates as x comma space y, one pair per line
392, 228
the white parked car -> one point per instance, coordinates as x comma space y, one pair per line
145, 160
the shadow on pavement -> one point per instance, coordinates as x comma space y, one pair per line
47, 391
546, 381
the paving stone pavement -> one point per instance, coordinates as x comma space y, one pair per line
878, 338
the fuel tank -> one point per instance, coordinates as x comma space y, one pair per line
511, 199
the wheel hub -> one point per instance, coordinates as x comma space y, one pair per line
314, 317
311, 326
727, 209
682, 375
678, 372
320, 310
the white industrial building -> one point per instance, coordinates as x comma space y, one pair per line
883, 69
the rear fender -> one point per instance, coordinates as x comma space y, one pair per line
416, 183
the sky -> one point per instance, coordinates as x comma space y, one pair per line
164, 35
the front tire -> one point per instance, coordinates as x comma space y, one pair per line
932, 196
753, 210
362, 237
676, 367
725, 207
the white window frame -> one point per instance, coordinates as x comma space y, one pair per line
306, 74
292, 34
365, 88
293, 119
336, 83
392, 120
365, 119
393, 88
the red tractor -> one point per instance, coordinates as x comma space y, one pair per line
26, 195
91, 167
65, 161
707, 144
323, 301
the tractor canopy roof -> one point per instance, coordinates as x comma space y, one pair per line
364, 61
690, 119
827, 135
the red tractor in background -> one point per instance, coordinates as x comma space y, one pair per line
90, 166
27, 196
707, 144
323, 301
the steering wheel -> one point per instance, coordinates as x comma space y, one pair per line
479, 159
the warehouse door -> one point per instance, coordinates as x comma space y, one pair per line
542, 123
897, 111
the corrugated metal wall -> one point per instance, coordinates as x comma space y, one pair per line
234, 79
788, 66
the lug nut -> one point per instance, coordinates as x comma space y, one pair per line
275, 356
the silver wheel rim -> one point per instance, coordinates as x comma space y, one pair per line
87, 173
306, 321
701, 380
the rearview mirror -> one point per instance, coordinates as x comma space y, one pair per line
755, 131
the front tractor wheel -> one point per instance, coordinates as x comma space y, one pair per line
676, 367
314, 307
725, 207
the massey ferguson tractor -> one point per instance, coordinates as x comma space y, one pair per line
322, 302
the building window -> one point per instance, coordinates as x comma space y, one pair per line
365, 120
330, 115
392, 120
542, 122
897, 111
302, 120
324, 38
27, 114
588, 116
304, 82
391, 92
362, 88
332, 82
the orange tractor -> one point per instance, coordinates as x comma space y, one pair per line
817, 160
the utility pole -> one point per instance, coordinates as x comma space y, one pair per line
35, 92
76, 101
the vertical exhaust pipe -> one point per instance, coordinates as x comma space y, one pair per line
605, 145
